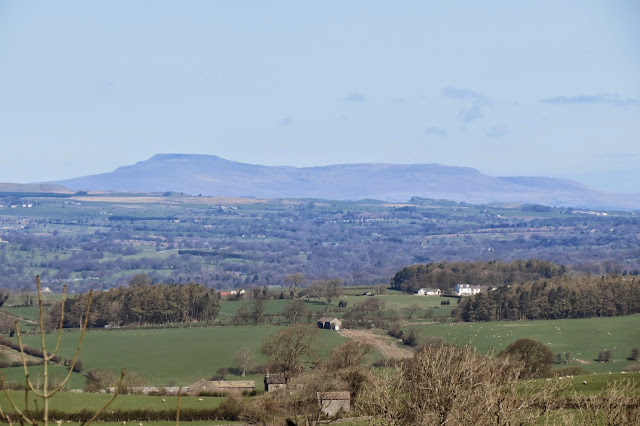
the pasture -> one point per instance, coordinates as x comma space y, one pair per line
170, 355
583, 339
72, 402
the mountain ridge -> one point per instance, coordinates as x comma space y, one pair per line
212, 175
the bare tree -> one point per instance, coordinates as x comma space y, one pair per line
256, 310
446, 384
412, 309
294, 310
332, 290
289, 349
244, 360
293, 281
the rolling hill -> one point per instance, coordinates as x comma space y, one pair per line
211, 175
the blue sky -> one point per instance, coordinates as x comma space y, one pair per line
510, 88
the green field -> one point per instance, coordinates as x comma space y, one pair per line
175, 355
401, 301
71, 402
582, 338
28, 312
273, 306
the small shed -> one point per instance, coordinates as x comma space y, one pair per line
329, 323
274, 382
332, 403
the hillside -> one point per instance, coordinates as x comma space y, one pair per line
33, 188
212, 175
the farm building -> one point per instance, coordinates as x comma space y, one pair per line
274, 382
329, 323
220, 386
332, 403
466, 290
428, 292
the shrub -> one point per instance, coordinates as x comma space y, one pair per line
411, 339
396, 332
536, 356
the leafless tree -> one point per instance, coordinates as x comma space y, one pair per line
289, 349
244, 359
293, 281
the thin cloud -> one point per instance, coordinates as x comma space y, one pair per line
474, 112
356, 97
437, 131
286, 121
612, 100
463, 94
498, 131
476, 103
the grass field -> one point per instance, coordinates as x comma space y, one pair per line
181, 355
71, 402
582, 338
401, 301
274, 306
28, 312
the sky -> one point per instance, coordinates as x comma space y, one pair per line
537, 88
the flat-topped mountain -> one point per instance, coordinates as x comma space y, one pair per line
212, 175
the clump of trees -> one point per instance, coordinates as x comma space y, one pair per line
562, 297
536, 358
142, 303
445, 275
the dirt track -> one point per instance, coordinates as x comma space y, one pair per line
382, 343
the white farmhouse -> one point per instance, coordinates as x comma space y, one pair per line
428, 292
466, 290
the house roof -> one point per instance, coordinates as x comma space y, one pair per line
274, 379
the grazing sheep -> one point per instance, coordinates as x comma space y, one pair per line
164, 400
584, 383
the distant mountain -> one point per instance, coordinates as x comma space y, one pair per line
33, 187
212, 175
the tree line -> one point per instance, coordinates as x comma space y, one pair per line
142, 303
445, 275
557, 298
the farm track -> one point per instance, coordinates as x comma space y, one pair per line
381, 343
18, 317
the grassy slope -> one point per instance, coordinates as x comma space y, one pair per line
582, 338
181, 355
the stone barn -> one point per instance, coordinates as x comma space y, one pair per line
329, 323
274, 382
